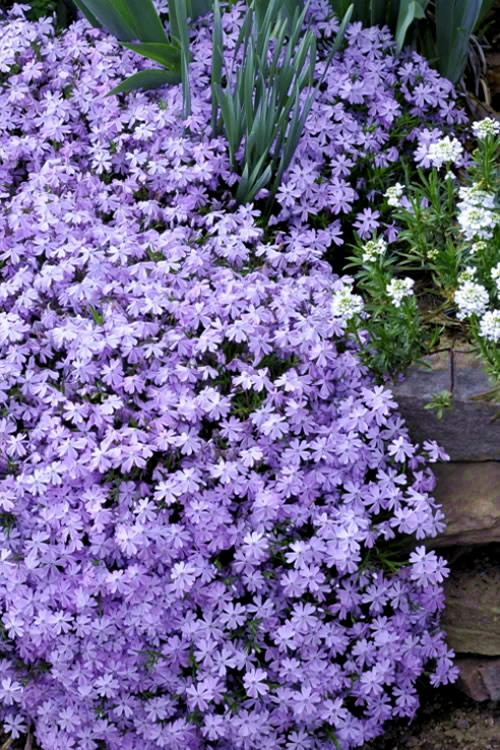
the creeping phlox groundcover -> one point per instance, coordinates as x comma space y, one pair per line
199, 482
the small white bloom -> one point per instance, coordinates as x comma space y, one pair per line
471, 299
476, 221
476, 196
345, 304
393, 194
486, 127
495, 275
374, 249
467, 275
490, 326
478, 247
444, 151
398, 289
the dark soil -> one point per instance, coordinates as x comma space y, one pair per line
447, 720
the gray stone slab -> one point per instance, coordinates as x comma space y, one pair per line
470, 430
470, 497
479, 677
471, 617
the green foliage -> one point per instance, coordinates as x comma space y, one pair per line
113, 15
40, 8
443, 35
64, 10
440, 401
137, 26
408, 12
179, 31
260, 104
454, 266
145, 80
455, 23
399, 15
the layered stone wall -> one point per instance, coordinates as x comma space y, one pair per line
469, 490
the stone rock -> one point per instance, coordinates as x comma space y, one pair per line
471, 617
470, 497
479, 678
470, 430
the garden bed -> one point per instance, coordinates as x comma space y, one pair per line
207, 491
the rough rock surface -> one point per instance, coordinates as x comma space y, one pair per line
471, 617
470, 430
479, 677
470, 496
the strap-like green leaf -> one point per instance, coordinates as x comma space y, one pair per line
88, 15
199, 8
340, 34
455, 22
217, 61
168, 55
409, 10
147, 23
377, 12
181, 34
114, 16
145, 80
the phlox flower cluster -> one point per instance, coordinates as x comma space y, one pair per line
367, 96
197, 476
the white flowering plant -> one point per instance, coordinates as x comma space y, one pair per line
442, 269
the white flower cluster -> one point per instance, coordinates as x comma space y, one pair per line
467, 275
486, 127
398, 289
478, 247
444, 151
478, 216
393, 194
490, 326
471, 298
374, 249
495, 275
345, 304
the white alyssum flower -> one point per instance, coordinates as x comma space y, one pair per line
398, 289
477, 216
476, 196
495, 275
486, 127
471, 299
345, 304
478, 247
374, 249
476, 221
489, 326
467, 275
393, 194
445, 151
